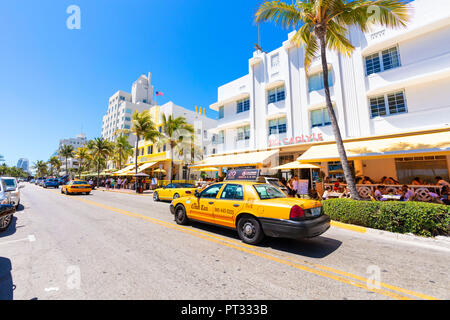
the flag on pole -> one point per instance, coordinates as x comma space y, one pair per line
159, 93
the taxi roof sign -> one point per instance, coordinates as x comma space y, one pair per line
243, 174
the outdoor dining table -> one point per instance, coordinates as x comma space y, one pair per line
389, 197
333, 195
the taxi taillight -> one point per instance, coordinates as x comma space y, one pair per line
296, 213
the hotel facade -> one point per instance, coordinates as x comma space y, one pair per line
391, 98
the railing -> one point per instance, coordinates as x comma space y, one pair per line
422, 192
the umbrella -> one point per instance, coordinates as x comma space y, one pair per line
141, 175
160, 170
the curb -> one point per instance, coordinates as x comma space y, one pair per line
440, 242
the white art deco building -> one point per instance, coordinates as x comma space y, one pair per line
391, 97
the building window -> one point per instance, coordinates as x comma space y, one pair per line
275, 60
205, 134
128, 110
150, 150
127, 127
164, 148
320, 118
316, 81
243, 105
390, 104
160, 129
243, 133
127, 119
221, 112
277, 126
382, 61
221, 137
277, 94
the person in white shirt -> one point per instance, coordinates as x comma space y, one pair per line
379, 193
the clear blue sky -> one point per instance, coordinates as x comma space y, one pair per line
55, 82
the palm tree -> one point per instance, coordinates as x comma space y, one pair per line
324, 25
41, 168
55, 163
143, 128
81, 154
174, 132
122, 150
100, 149
66, 151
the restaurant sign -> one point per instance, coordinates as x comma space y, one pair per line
304, 138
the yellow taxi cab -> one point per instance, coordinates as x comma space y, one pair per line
76, 187
174, 191
254, 208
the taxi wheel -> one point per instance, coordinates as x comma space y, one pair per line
249, 230
180, 215
176, 196
155, 196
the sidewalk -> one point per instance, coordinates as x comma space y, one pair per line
126, 191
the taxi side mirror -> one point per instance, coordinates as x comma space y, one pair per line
197, 194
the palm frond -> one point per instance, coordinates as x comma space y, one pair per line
279, 12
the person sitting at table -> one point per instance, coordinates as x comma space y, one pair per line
326, 193
445, 192
383, 180
359, 180
367, 180
417, 182
406, 193
379, 192
441, 182
346, 194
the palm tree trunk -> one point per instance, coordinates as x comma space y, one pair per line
171, 163
337, 133
136, 163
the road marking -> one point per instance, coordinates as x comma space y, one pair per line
51, 289
325, 271
30, 238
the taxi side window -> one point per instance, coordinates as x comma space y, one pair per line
232, 192
169, 186
211, 192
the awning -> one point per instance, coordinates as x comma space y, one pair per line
146, 166
437, 143
296, 165
124, 170
236, 160
240, 96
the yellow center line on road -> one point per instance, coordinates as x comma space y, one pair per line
263, 253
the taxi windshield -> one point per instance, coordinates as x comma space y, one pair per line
267, 191
184, 185
79, 182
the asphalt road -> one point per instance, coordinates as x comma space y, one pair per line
119, 246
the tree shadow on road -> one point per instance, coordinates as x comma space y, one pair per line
6, 282
318, 247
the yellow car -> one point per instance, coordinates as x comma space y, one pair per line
76, 187
254, 209
174, 191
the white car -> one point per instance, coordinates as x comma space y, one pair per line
13, 188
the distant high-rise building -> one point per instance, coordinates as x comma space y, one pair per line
24, 164
72, 163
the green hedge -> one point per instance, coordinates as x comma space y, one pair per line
423, 219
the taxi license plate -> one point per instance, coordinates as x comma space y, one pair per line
316, 211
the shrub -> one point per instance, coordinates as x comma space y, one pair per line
420, 218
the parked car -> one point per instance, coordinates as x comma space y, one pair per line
254, 209
51, 183
13, 187
6, 216
6, 209
173, 191
41, 182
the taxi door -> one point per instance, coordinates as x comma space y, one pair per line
202, 208
165, 193
229, 204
